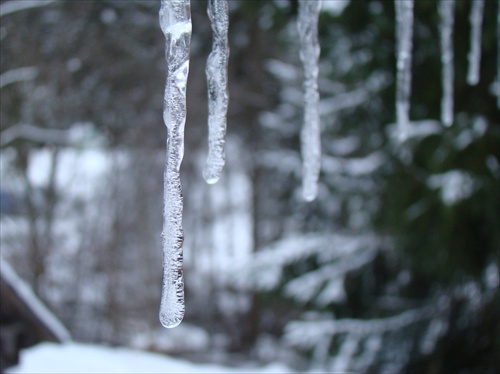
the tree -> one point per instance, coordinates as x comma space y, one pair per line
400, 245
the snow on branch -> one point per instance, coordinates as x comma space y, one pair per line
34, 134
15, 6
418, 130
350, 251
306, 334
342, 101
353, 166
307, 286
18, 75
454, 186
23, 131
288, 250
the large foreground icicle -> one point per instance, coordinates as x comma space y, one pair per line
476, 22
175, 22
447, 14
310, 136
404, 35
218, 96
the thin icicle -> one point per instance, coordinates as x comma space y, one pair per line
310, 136
175, 22
218, 96
498, 54
476, 22
404, 36
447, 14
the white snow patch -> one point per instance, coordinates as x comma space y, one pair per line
84, 358
454, 185
418, 129
184, 338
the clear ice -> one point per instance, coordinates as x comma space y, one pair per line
447, 14
474, 56
404, 35
310, 135
218, 95
175, 22
498, 57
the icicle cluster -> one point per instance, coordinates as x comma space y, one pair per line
404, 35
447, 14
218, 96
310, 136
175, 22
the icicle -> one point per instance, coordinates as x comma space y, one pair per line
404, 35
498, 55
175, 22
447, 14
310, 136
476, 22
218, 96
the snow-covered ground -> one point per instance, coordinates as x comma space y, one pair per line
73, 357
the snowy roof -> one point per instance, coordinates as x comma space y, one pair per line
25, 298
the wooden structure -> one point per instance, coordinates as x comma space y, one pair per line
24, 319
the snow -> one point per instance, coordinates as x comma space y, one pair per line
85, 358
18, 75
310, 135
184, 338
349, 347
470, 134
305, 333
9, 7
76, 170
454, 186
265, 270
342, 101
76, 135
417, 131
175, 22
23, 290
435, 330
218, 95
491, 276
305, 287
356, 167
282, 70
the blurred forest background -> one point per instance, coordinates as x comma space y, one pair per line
394, 268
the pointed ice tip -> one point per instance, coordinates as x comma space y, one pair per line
170, 323
472, 80
447, 121
211, 179
309, 195
210, 175
309, 198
